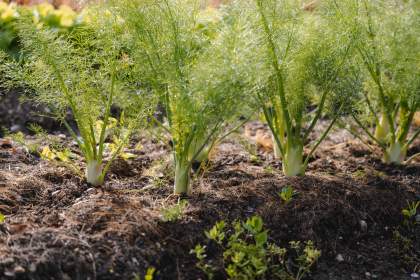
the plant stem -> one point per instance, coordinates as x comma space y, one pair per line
395, 153
293, 158
276, 148
324, 135
94, 172
412, 158
382, 129
359, 123
182, 177
415, 135
276, 66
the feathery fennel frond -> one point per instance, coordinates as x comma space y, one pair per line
78, 70
297, 62
388, 50
174, 58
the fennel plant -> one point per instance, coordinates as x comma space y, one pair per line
78, 71
172, 49
388, 48
299, 71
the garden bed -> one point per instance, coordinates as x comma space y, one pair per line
349, 204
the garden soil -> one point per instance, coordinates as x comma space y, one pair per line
348, 203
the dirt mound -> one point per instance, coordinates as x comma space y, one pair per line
349, 203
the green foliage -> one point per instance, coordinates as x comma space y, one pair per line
290, 61
307, 255
2, 218
174, 56
19, 138
247, 253
8, 40
149, 273
200, 253
175, 212
410, 212
386, 47
287, 194
81, 70
43, 15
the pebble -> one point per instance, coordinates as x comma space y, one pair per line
414, 275
15, 128
32, 267
363, 225
339, 258
368, 275
8, 261
19, 269
90, 191
66, 277
54, 193
9, 273
250, 210
135, 261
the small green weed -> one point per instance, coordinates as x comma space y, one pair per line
247, 253
410, 212
287, 193
175, 212
149, 274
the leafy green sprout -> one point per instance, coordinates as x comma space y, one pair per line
2, 218
150, 272
308, 255
410, 212
287, 194
291, 64
175, 212
248, 254
176, 59
386, 47
80, 71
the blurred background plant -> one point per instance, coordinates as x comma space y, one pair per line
386, 50
62, 17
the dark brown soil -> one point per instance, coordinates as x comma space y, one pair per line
57, 227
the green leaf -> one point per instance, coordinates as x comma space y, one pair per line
261, 238
149, 273
406, 213
2, 218
254, 224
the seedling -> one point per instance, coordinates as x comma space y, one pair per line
410, 212
150, 273
200, 253
251, 149
307, 254
175, 212
248, 253
2, 218
287, 194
